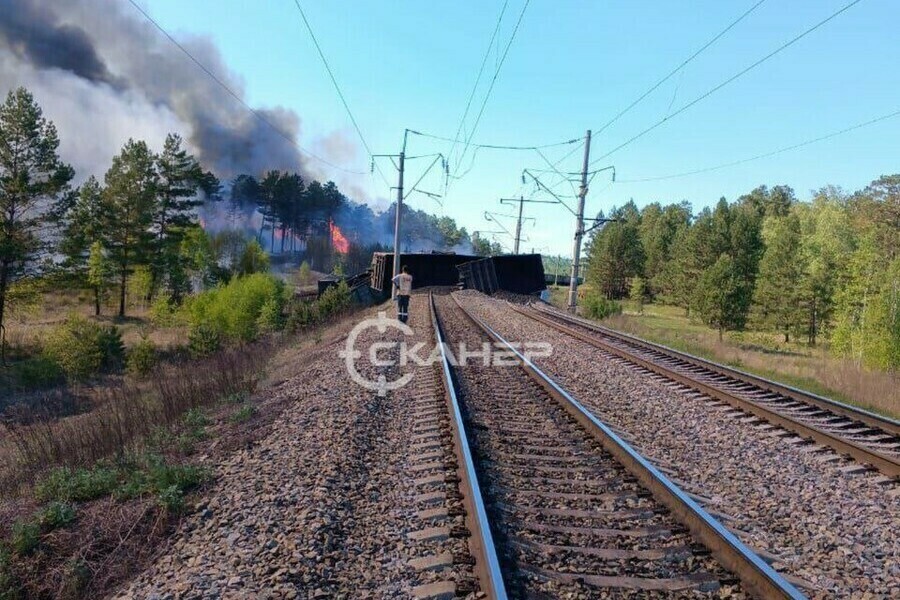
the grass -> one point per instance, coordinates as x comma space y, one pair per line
762, 353
243, 414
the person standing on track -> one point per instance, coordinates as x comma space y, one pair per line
403, 283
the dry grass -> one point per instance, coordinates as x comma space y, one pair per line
765, 354
27, 328
125, 412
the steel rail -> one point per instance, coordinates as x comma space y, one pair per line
888, 465
755, 574
487, 564
854, 412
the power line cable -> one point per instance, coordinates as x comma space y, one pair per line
234, 95
493, 81
487, 53
767, 154
338, 89
655, 86
496, 146
729, 80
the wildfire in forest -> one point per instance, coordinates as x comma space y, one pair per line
338, 241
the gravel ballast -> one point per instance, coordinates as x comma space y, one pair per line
820, 520
325, 505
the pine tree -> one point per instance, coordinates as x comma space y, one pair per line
129, 207
180, 179
98, 273
778, 293
717, 298
32, 178
82, 226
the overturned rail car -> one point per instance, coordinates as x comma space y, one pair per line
427, 269
518, 273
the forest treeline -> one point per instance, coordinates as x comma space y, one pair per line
827, 269
138, 232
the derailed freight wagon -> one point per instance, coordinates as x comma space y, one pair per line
517, 273
427, 269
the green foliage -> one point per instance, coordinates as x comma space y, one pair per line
99, 270
244, 413
140, 286
615, 253
55, 515
302, 314
142, 475
778, 291
76, 347
233, 312
38, 372
25, 538
253, 259
109, 340
203, 339
128, 209
717, 297
304, 273
141, 358
65, 484
171, 499
638, 292
270, 316
195, 419
599, 307
10, 588
162, 311
32, 179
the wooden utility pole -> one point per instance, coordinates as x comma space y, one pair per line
579, 224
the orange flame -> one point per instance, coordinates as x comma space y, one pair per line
338, 241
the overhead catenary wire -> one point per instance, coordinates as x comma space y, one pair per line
731, 79
687, 61
487, 53
822, 138
493, 81
237, 97
337, 88
497, 146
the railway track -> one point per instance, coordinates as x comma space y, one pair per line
868, 438
560, 506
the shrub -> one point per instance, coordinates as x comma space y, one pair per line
195, 420
75, 347
233, 311
10, 588
78, 485
25, 537
111, 347
302, 315
55, 515
171, 499
270, 319
598, 307
38, 372
141, 358
244, 413
82, 347
162, 311
203, 339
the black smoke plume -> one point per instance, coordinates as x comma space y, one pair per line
103, 58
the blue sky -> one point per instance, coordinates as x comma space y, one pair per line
572, 66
